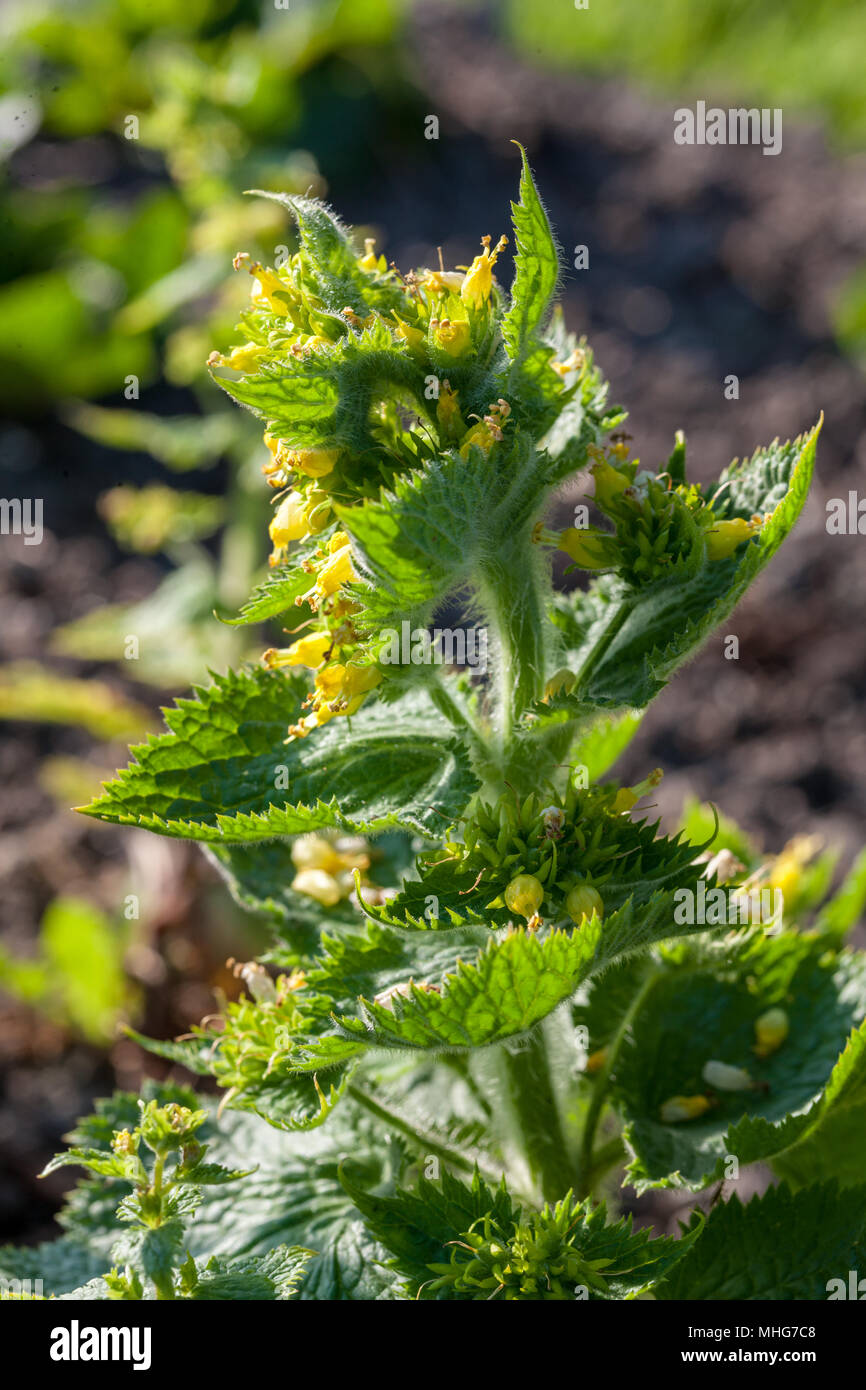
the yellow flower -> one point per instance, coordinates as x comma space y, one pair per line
590, 548
310, 650
610, 484
315, 463
560, 683
524, 895
369, 260
771, 1030
441, 281
448, 415
315, 852
627, 797
315, 883
414, 337
290, 521
337, 570
727, 535
452, 335
786, 870
478, 281
680, 1108
244, 358
269, 290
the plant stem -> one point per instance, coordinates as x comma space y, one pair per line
606, 1156
425, 1141
587, 1160
511, 596
589, 665
536, 1109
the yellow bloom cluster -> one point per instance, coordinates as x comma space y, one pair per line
326, 867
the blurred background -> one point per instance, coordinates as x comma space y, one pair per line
128, 132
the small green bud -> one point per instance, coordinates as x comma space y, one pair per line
583, 900
524, 895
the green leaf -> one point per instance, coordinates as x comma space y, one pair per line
514, 981
418, 543
62, 1265
654, 632
273, 1276
279, 591
332, 260
700, 1004
782, 1245
598, 747
454, 1226
324, 400
536, 270
154, 1251
214, 775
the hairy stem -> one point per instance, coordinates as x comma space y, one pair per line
422, 1139
536, 1111
587, 1159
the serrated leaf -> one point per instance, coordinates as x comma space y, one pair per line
512, 983
213, 776
782, 1245
331, 258
323, 400
700, 1006
658, 630
421, 1228
274, 1276
278, 592
536, 271
417, 544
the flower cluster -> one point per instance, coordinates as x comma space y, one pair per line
535, 1259
525, 854
441, 323
661, 525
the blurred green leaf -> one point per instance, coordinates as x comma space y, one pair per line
34, 693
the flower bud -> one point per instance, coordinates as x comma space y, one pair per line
524, 895
771, 1030
315, 883
610, 484
680, 1108
727, 535
289, 522
582, 901
725, 1078
590, 548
